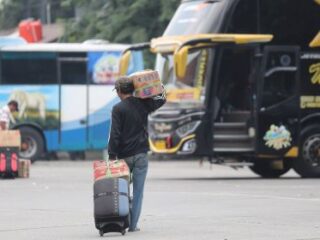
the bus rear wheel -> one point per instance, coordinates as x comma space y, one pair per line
308, 163
265, 168
32, 144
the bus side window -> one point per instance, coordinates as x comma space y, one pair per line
28, 68
73, 72
280, 18
140, 60
292, 22
278, 87
245, 18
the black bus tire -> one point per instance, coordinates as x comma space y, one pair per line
264, 168
34, 141
307, 165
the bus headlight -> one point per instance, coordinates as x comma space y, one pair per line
188, 147
187, 129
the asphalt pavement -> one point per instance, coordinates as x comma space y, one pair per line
183, 200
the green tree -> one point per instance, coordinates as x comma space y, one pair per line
13, 11
10, 13
126, 21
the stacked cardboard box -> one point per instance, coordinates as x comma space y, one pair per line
147, 84
24, 168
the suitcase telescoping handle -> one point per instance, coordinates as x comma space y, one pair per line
108, 170
105, 155
106, 158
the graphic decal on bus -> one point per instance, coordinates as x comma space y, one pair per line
315, 70
103, 67
178, 95
39, 105
28, 101
309, 102
201, 69
278, 137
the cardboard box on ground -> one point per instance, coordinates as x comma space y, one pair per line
146, 83
10, 138
24, 168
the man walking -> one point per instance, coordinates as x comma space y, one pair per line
129, 138
5, 114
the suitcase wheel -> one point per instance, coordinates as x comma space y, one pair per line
123, 232
101, 233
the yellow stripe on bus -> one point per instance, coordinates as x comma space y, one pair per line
293, 152
170, 150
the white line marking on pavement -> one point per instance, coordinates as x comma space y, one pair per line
243, 195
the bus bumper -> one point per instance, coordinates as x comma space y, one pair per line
186, 146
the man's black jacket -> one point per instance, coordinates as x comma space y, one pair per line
128, 134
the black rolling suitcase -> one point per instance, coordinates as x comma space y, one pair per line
111, 205
8, 163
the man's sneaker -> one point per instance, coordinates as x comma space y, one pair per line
134, 230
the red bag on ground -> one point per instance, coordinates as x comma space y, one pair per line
8, 163
111, 169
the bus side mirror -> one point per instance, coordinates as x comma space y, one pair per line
124, 63
180, 61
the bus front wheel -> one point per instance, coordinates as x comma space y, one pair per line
265, 168
32, 144
308, 163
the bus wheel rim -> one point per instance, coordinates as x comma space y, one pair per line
311, 150
31, 147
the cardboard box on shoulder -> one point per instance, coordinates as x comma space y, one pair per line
10, 138
24, 168
147, 84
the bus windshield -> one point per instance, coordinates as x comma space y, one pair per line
190, 88
192, 18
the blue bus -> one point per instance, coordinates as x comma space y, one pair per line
65, 93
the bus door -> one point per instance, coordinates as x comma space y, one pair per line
235, 97
278, 101
72, 69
